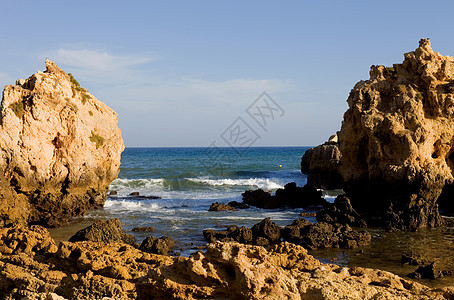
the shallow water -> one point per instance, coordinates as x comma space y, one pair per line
386, 249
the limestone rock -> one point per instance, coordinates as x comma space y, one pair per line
397, 142
321, 164
162, 245
91, 270
109, 231
59, 149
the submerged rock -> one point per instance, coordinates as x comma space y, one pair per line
321, 164
396, 140
59, 149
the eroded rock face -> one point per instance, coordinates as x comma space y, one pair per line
321, 165
59, 149
90, 270
397, 140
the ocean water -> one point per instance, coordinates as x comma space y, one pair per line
189, 180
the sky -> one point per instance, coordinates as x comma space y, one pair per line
190, 73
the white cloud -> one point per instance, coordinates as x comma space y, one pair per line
101, 61
103, 67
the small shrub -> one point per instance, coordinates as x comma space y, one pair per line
97, 139
18, 108
90, 113
73, 80
419, 96
85, 97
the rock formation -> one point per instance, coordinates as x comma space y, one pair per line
109, 231
33, 267
342, 212
290, 196
59, 149
397, 140
301, 232
321, 165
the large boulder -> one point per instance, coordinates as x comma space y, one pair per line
397, 141
321, 165
109, 231
59, 149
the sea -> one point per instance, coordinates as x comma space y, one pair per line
188, 180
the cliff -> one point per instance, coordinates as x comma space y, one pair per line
397, 140
59, 149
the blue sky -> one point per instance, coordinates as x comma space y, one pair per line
178, 73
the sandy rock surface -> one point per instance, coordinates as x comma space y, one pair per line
33, 267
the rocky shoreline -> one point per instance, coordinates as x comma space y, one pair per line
61, 147
33, 267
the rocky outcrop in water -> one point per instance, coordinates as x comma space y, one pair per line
59, 149
290, 196
32, 267
342, 212
301, 232
321, 165
397, 140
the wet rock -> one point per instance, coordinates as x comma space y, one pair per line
212, 236
60, 150
239, 205
162, 245
242, 235
321, 164
325, 235
144, 229
396, 141
430, 271
104, 231
258, 198
291, 196
134, 194
267, 230
414, 258
341, 211
292, 233
221, 207
295, 196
